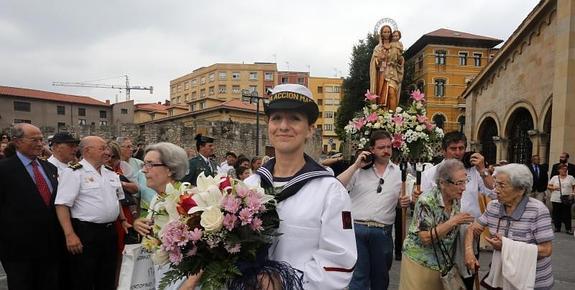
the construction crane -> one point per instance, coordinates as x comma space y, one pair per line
127, 87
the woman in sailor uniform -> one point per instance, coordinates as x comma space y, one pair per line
317, 236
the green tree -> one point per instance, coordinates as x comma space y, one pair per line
355, 86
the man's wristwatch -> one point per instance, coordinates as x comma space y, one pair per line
484, 173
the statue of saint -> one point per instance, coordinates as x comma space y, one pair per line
386, 68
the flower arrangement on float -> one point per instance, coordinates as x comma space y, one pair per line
413, 135
210, 228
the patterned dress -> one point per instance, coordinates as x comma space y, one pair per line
429, 212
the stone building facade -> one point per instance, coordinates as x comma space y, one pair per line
520, 104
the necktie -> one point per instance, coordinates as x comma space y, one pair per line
537, 171
41, 183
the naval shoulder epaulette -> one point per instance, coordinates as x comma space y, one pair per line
109, 167
75, 166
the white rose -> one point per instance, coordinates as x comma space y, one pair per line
374, 107
160, 257
418, 128
376, 125
398, 109
419, 106
212, 219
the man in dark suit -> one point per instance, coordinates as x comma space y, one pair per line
31, 242
540, 178
202, 162
563, 158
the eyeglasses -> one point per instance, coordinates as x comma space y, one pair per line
379, 187
150, 165
500, 185
457, 183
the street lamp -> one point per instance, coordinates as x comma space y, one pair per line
251, 96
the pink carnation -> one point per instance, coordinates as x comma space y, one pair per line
231, 204
230, 221
256, 224
196, 234
246, 216
176, 257
253, 202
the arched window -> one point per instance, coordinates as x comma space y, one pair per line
439, 120
461, 121
440, 87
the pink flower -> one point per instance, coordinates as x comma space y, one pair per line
230, 221
397, 119
429, 125
176, 257
369, 96
372, 117
359, 123
253, 202
246, 216
242, 191
256, 224
421, 119
417, 96
397, 140
231, 204
196, 234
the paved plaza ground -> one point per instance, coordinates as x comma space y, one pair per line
563, 265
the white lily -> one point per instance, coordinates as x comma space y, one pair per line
207, 193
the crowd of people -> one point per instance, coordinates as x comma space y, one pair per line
89, 197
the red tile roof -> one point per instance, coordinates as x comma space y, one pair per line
442, 32
150, 107
237, 104
49, 96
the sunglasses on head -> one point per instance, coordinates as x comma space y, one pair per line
379, 186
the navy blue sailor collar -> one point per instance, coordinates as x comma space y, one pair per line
311, 170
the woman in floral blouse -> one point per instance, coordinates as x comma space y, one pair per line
436, 212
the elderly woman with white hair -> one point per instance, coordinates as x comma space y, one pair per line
515, 217
434, 228
164, 164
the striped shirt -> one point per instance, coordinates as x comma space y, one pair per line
530, 223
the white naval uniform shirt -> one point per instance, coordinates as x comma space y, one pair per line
366, 203
91, 196
314, 238
59, 164
469, 199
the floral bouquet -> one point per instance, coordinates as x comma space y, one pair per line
413, 135
213, 227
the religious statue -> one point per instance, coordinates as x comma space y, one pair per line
386, 68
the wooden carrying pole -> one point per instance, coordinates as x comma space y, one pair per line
403, 167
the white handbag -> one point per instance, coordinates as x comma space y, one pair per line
137, 271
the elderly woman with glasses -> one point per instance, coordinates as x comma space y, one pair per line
164, 164
434, 226
515, 216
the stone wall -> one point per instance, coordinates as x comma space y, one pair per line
230, 136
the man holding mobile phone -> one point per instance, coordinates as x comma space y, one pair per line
374, 185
